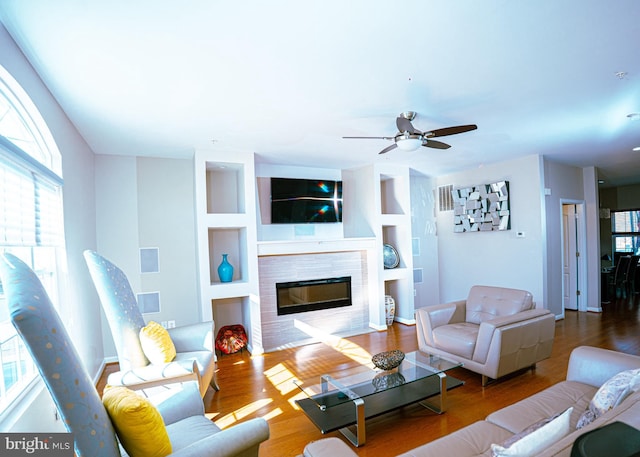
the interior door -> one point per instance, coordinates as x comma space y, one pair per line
569, 258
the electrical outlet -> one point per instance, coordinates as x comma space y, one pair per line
164, 324
171, 324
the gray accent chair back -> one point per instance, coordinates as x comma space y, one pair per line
78, 402
194, 343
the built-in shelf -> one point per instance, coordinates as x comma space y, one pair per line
289, 247
226, 224
376, 211
225, 187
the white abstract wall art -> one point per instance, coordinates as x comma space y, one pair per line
481, 208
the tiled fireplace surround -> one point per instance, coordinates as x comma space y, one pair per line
285, 331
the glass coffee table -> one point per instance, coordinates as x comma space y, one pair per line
349, 397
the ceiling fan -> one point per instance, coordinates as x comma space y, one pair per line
410, 138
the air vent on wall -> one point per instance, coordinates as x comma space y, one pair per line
445, 199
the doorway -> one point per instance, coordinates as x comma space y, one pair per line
573, 257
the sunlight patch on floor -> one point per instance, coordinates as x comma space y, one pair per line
281, 378
241, 413
342, 345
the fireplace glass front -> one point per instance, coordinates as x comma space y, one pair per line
312, 295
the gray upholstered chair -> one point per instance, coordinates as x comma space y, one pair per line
77, 400
195, 358
494, 332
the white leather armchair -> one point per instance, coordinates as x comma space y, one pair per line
494, 332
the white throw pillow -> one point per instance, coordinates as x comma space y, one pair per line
535, 438
610, 395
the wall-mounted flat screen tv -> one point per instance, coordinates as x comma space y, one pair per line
303, 201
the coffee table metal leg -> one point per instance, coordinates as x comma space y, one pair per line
357, 438
442, 407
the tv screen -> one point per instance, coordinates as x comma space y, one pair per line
303, 201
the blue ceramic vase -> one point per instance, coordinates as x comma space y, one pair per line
225, 269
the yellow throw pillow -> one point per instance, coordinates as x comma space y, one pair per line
138, 423
156, 343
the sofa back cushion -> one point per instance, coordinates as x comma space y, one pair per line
487, 302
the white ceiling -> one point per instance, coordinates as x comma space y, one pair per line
287, 79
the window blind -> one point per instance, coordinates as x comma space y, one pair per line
30, 208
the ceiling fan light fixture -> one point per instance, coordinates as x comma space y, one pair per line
409, 142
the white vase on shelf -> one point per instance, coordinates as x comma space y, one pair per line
389, 309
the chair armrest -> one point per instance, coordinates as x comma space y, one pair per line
501, 321
594, 366
236, 440
445, 313
193, 337
431, 317
179, 402
488, 328
154, 375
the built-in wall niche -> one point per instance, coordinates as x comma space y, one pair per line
230, 311
230, 241
391, 193
225, 188
391, 234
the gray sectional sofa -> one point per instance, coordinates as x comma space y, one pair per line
589, 368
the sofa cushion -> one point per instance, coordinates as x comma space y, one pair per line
551, 401
536, 438
189, 430
610, 395
486, 302
475, 439
628, 412
459, 339
328, 446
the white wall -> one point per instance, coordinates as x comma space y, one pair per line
149, 202
566, 185
80, 309
496, 258
166, 220
423, 229
117, 222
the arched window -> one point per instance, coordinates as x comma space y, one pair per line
31, 219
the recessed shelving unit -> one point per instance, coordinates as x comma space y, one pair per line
225, 188
384, 199
392, 200
226, 224
377, 210
230, 241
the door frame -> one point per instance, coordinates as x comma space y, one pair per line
581, 246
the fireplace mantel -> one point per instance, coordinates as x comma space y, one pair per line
292, 247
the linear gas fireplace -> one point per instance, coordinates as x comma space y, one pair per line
312, 295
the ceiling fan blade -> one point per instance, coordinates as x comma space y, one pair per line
388, 148
405, 125
368, 137
451, 130
436, 144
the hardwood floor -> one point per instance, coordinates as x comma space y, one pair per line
262, 386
